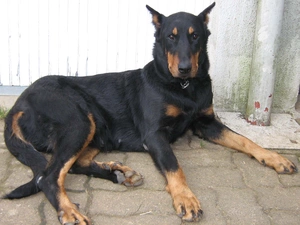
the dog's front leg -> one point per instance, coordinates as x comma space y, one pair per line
213, 130
268, 158
185, 202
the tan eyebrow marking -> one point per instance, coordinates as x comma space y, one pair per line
191, 30
175, 31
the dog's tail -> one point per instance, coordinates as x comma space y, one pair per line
25, 153
24, 190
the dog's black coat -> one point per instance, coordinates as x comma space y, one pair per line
130, 109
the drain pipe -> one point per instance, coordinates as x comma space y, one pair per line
263, 70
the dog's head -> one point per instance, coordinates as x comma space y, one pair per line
180, 42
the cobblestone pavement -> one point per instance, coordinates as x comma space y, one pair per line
232, 188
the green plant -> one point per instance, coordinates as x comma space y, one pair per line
3, 112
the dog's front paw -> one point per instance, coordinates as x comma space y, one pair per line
187, 206
278, 162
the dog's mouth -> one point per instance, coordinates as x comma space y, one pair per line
182, 70
184, 76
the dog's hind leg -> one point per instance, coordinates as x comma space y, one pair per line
25, 153
72, 139
113, 171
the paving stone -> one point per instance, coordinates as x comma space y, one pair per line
280, 217
21, 211
240, 206
102, 184
18, 175
254, 173
203, 177
279, 198
2, 145
48, 213
4, 163
131, 203
2, 123
208, 200
145, 219
206, 158
291, 180
75, 182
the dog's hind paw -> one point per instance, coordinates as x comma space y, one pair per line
72, 217
127, 176
124, 174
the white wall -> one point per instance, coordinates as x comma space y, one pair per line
78, 37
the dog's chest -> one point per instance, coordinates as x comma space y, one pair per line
177, 118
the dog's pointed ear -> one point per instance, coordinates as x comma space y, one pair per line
157, 18
204, 14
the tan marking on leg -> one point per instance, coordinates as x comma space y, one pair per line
185, 202
68, 211
208, 112
173, 111
173, 62
16, 130
263, 156
86, 157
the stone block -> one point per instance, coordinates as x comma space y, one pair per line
254, 173
240, 206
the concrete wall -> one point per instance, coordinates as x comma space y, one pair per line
230, 47
288, 59
231, 50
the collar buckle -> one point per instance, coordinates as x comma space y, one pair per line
184, 84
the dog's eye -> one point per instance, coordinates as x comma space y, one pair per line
171, 37
195, 36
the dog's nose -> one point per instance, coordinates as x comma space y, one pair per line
184, 70
184, 67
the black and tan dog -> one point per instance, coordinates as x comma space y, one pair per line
141, 110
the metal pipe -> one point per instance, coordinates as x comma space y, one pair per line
263, 70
